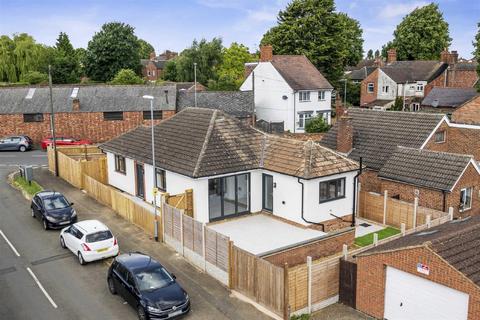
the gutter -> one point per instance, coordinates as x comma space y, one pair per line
355, 182
302, 211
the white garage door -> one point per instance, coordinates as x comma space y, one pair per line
411, 297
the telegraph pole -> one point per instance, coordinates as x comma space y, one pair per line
52, 120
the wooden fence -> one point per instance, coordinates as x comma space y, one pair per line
181, 201
389, 211
260, 280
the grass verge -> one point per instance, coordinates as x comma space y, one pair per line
31, 189
382, 234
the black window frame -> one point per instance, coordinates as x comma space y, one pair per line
161, 184
113, 116
237, 213
33, 117
328, 182
118, 160
157, 115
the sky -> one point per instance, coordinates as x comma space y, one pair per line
174, 24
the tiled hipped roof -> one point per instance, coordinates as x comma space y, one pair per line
377, 134
424, 168
236, 103
199, 142
457, 242
449, 97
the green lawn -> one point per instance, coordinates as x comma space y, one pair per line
382, 234
23, 184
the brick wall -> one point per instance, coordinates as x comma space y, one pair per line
365, 96
317, 249
468, 113
80, 125
455, 79
371, 277
370, 182
427, 197
154, 72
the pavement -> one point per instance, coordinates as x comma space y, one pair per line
40, 280
339, 312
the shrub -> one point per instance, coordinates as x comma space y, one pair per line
34, 77
127, 76
316, 124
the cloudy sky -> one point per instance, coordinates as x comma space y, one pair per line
174, 24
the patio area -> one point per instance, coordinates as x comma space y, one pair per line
261, 233
364, 227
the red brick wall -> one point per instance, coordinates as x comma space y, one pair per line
365, 96
455, 79
317, 249
154, 72
469, 113
371, 277
80, 125
370, 182
427, 198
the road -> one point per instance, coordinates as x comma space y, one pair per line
67, 290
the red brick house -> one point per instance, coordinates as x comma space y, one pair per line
468, 112
98, 112
152, 68
430, 274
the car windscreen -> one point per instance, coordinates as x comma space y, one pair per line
55, 203
153, 278
98, 236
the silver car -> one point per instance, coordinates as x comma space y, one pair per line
16, 143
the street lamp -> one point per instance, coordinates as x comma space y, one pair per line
155, 191
195, 79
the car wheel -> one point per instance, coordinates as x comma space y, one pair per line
33, 214
141, 313
62, 243
45, 224
22, 148
111, 286
80, 259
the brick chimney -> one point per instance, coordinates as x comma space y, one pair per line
266, 53
152, 56
378, 62
339, 109
345, 133
391, 55
444, 56
76, 105
453, 57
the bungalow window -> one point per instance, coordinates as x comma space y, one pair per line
120, 164
332, 190
303, 118
228, 196
161, 179
440, 137
304, 96
113, 116
465, 199
157, 115
370, 87
321, 95
33, 117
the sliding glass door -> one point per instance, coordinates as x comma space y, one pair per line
228, 196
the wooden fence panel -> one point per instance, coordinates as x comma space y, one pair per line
198, 237
99, 191
70, 170
244, 271
182, 201
96, 168
222, 252
167, 213
298, 287
188, 232
325, 280
177, 227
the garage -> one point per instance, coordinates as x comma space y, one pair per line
429, 301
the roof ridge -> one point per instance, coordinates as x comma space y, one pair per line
205, 143
459, 155
262, 151
308, 158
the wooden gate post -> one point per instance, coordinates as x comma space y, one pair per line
415, 209
230, 265
385, 199
181, 233
309, 283
286, 307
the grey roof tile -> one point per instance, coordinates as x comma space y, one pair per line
416, 70
236, 103
449, 97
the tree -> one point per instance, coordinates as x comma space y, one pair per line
316, 124
231, 71
422, 34
476, 52
370, 54
113, 48
207, 55
331, 40
377, 53
353, 92
8, 71
170, 70
145, 49
81, 54
65, 64
397, 105
34, 77
127, 76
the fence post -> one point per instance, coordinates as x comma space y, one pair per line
385, 199
345, 251
403, 228
309, 283
375, 239
162, 218
450, 213
286, 307
230, 264
204, 241
357, 203
181, 233
429, 220
415, 208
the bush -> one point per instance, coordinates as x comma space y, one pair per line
398, 105
127, 76
34, 77
316, 124
304, 316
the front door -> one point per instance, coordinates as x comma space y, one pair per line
267, 192
140, 180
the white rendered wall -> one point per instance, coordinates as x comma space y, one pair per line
384, 80
125, 182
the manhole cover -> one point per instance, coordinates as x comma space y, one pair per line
364, 225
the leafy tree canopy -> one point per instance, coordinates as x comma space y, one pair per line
331, 40
476, 52
145, 49
65, 62
422, 35
34, 77
316, 124
370, 54
170, 70
127, 76
231, 71
113, 48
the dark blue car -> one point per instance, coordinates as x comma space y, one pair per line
147, 286
53, 209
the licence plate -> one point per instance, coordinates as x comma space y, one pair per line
64, 222
102, 250
175, 313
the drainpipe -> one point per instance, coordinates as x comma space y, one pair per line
295, 120
355, 181
303, 218
444, 201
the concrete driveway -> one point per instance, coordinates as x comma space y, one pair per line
339, 312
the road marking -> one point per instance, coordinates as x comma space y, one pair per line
7, 270
42, 288
10, 244
39, 155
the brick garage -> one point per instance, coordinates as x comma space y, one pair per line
451, 254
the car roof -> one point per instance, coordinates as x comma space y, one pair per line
90, 226
48, 194
137, 260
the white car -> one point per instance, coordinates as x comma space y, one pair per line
89, 240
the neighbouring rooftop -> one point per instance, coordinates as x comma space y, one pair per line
449, 97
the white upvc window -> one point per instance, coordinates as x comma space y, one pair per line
419, 87
466, 199
303, 118
304, 96
321, 95
440, 136
370, 87
385, 89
